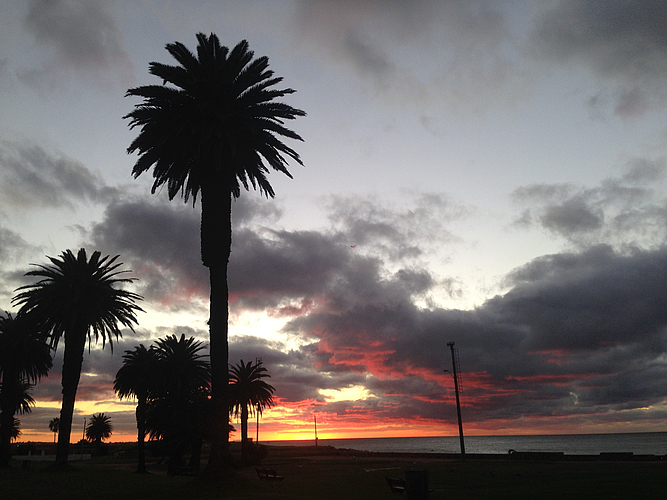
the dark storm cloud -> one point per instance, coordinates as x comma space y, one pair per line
83, 38
283, 271
31, 177
623, 42
160, 241
577, 334
625, 210
572, 328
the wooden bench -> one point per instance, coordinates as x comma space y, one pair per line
269, 475
396, 485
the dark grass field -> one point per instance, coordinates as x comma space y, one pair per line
326, 473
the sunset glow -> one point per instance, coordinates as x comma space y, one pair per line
475, 172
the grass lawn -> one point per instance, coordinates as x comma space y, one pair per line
325, 474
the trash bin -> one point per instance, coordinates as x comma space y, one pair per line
416, 484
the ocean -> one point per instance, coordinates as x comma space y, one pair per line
648, 443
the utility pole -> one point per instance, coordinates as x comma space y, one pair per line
315, 429
456, 368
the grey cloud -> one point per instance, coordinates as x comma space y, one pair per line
34, 178
613, 37
623, 211
397, 233
622, 42
367, 59
84, 38
13, 251
161, 243
12, 246
572, 216
590, 300
475, 39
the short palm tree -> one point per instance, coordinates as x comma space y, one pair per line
249, 393
134, 380
15, 430
76, 299
180, 399
24, 359
214, 126
99, 428
54, 426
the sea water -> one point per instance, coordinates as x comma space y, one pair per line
648, 443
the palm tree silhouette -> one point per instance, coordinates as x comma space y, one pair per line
136, 379
15, 430
54, 426
24, 359
214, 128
249, 393
76, 299
178, 409
98, 429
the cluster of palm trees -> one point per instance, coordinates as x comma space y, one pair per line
213, 126
24, 359
171, 381
74, 299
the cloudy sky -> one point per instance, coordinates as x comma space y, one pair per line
490, 173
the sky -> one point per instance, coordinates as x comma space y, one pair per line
489, 173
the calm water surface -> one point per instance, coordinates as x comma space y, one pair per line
650, 443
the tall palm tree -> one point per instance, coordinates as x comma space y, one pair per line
249, 393
214, 126
24, 359
99, 428
54, 426
181, 398
135, 379
76, 299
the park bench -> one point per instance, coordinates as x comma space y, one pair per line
396, 485
269, 475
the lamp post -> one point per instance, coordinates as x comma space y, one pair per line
458, 402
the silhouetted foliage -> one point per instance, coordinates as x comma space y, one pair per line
249, 394
76, 299
98, 429
24, 359
16, 429
136, 378
178, 407
213, 126
54, 426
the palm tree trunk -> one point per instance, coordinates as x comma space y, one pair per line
141, 435
7, 405
73, 361
219, 349
244, 433
216, 245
